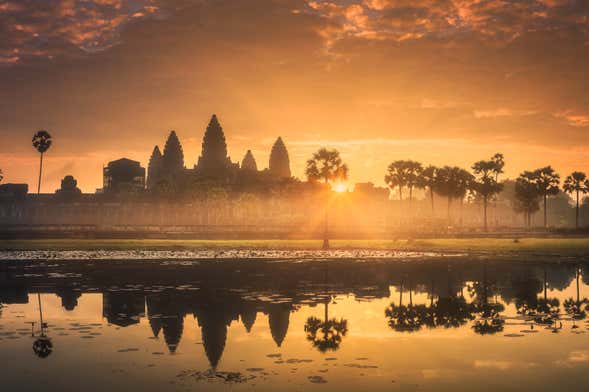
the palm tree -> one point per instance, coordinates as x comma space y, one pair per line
413, 170
405, 318
464, 184
1, 175
327, 334
428, 180
575, 307
577, 183
396, 177
327, 166
527, 195
547, 181
486, 183
452, 182
41, 141
42, 346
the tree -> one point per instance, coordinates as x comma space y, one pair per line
396, 177
427, 180
404, 174
577, 183
452, 182
41, 141
486, 183
1, 175
326, 166
527, 195
413, 170
405, 318
547, 181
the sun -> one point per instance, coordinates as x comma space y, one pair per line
340, 187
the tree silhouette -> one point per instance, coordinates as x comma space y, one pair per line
488, 315
547, 181
41, 142
427, 179
405, 318
486, 183
413, 170
326, 335
576, 308
396, 177
1, 175
402, 174
452, 182
327, 166
42, 346
576, 183
527, 195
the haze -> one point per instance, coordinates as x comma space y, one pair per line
442, 82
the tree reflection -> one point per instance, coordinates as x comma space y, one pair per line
576, 308
42, 346
402, 318
488, 319
326, 335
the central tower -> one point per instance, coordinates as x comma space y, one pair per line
213, 161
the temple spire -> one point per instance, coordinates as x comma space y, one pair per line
279, 161
173, 158
249, 162
213, 159
155, 167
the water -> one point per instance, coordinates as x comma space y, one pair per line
433, 323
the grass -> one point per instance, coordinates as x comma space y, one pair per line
535, 245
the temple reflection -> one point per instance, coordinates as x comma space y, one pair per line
422, 296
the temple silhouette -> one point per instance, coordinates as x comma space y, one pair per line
167, 171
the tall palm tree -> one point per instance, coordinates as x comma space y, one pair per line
452, 182
405, 318
428, 180
577, 183
486, 184
396, 177
547, 181
41, 141
327, 334
464, 184
527, 195
42, 346
413, 170
326, 166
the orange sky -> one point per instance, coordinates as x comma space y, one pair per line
443, 82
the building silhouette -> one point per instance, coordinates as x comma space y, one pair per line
123, 175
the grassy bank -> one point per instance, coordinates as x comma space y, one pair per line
540, 245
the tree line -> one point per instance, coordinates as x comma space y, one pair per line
532, 188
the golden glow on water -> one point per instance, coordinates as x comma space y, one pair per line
370, 356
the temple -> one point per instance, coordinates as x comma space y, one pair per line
167, 170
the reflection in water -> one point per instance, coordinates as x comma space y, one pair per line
495, 299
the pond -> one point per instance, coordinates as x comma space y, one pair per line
266, 322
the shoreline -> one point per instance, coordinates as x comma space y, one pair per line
560, 245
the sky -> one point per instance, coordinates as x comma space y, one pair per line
439, 81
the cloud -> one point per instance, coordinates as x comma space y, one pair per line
574, 119
49, 28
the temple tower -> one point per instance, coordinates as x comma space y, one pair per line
279, 161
